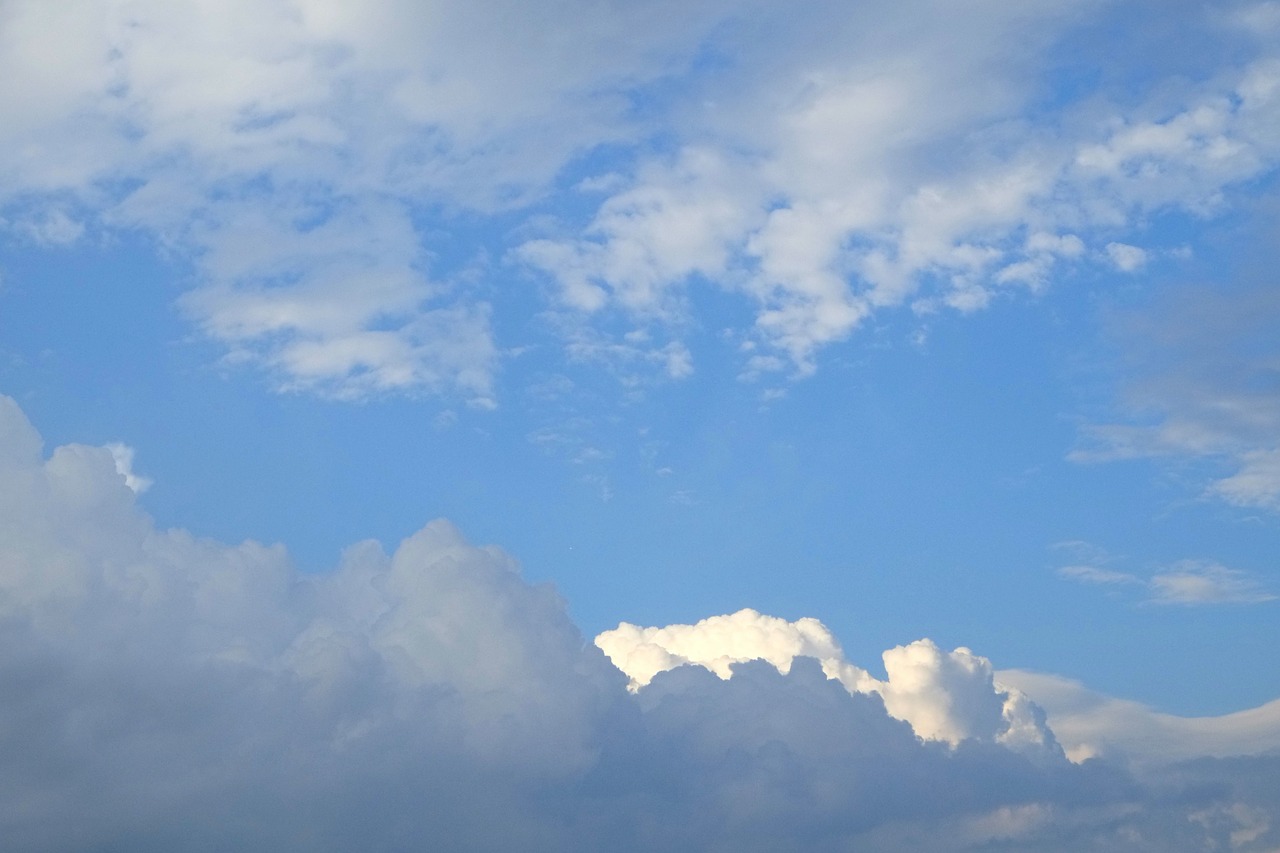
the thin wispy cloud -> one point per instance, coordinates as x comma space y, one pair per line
1199, 384
1091, 574
1189, 582
1192, 583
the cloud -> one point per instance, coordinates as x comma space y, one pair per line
160, 687
1197, 382
1090, 724
944, 696
329, 175
1126, 258
1189, 582
122, 455
1192, 582
1256, 483
159, 690
717, 643
338, 306
833, 202
47, 228
1089, 574
293, 152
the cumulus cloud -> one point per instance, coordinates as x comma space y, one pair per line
161, 687
159, 690
718, 642
323, 170
122, 455
294, 151
839, 205
944, 696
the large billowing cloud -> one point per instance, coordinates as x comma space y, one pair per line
342, 179
161, 691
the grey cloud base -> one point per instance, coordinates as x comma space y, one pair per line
164, 692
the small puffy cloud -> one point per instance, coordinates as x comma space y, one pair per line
1064, 245
1126, 258
717, 643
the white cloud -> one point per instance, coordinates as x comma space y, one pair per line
944, 696
122, 455
307, 159
1257, 483
1090, 724
1126, 258
672, 223
286, 149
840, 209
718, 642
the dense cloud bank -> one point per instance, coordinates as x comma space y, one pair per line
159, 691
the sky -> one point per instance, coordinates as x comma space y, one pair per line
668, 426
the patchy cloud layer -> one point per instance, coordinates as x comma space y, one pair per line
312, 161
160, 691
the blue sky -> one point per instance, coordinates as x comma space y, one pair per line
921, 321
